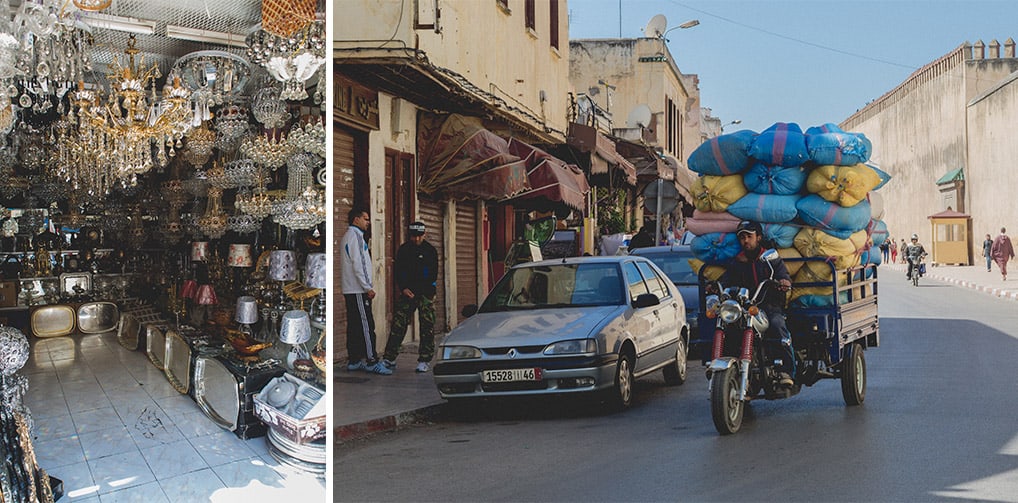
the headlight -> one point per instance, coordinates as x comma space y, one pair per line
730, 311
573, 347
460, 352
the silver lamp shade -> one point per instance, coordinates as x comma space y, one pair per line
314, 274
247, 310
282, 265
240, 255
295, 328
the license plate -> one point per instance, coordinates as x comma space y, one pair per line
511, 375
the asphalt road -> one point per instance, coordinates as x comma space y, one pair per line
940, 423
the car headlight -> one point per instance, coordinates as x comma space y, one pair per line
460, 352
571, 347
730, 311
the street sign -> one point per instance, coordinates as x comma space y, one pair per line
669, 196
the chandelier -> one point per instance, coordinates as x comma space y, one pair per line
212, 77
214, 222
256, 203
231, 126
308, 137
116, 138
304, 206
268, 109
216, 177
268, 150
173, 229
200, 141
244, 223
242, 173
289, 59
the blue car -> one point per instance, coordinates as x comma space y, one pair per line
674, 261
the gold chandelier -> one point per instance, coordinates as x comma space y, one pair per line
106, 143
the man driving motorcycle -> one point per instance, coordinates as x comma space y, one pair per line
746, 271
914, 254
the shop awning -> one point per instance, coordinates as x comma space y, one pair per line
603, 157
551, 180
459, 158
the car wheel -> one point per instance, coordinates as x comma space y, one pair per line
675, 372
621, 394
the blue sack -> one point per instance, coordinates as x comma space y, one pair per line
727, 154
782, 235
833, 218
770, 208
781, 145
830, 145
765, 179
715, 248
884, 177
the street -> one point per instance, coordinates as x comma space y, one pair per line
938, 424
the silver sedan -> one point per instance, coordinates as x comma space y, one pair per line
582, 324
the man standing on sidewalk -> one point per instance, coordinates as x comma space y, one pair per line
416, 269
1002, 251
356, 285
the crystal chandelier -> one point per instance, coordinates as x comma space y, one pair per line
200, 141
116, 137
268, 150
173, 229
308, 137
256, 203
244, 223
242, 173
216, 177
212, 77
175, 193
268, 109
304, 206
291, 59
214, 222
92, 5
231, 125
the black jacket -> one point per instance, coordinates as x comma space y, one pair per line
417, 268
746, 273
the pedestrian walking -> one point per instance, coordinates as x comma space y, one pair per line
885, 250
901, 250
894, 249
416, 270
988, 251
1002, 251
356, 284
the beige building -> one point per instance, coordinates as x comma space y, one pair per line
643, 98
944, 136
499, 68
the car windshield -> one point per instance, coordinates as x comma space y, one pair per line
675, 265
558, 285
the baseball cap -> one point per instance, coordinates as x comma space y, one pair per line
747, 226
416, 228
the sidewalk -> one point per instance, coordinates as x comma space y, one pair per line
364, 403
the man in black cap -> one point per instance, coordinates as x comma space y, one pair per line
747, 271
416, 270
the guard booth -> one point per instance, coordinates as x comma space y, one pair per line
952, 237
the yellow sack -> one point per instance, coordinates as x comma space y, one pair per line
713, 272
845, 185
715, 193
812, 242
813, 272
787, 253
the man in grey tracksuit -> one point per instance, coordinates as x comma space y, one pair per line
356, 285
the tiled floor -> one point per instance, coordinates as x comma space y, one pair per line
108, 424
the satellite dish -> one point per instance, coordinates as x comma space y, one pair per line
639, 117
656, 27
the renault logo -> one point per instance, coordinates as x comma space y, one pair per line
512, 353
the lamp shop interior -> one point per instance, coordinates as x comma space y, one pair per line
162, 266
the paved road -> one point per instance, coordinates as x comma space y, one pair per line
940, 423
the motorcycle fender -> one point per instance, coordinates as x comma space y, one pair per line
723, 363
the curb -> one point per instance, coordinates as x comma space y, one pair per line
350, 432
1001, 293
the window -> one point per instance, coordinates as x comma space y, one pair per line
657, 287
529, 14
636, 285
553, 32
504, 4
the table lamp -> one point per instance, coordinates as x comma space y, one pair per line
295, 330
282, 268
247, 313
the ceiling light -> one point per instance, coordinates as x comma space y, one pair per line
214, 37
120, 23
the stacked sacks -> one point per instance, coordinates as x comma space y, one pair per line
812, 192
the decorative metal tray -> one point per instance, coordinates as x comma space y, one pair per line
76, 283
97, 317
53, 321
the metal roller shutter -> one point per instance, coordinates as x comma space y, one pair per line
343, 191
432, 214
466, 256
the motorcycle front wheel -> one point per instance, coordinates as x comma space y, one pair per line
725, 407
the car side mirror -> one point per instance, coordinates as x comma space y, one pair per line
469, 310
646, 300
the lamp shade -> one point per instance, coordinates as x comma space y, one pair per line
189, 289
295, 328
240, 255
314, 275
282, 265
247, 310
206, 296
199, 251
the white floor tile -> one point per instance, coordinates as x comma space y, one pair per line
48, 408
195, 486
196, 424
87, 386
147, 436
173, 459
135, 406
85, 402
73, 370
145, 493
160, 387
78, 483
246, 472
176, 405
95, 419
109, 442
114, 473
221, 448
55, 427
55, 453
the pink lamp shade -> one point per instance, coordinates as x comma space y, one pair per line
282, 265
199, 251
206, 296
314, 274
240, 255
189, 289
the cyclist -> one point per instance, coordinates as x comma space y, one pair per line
914, 254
